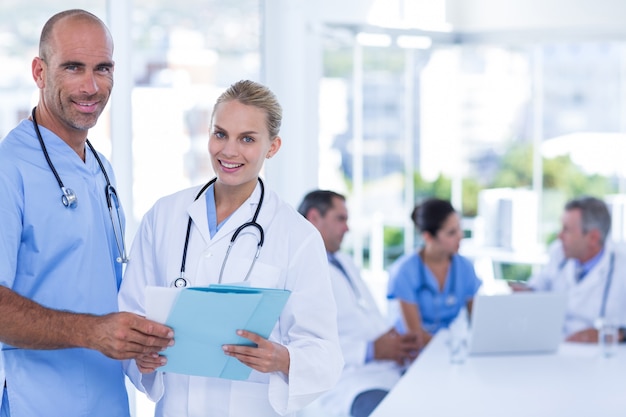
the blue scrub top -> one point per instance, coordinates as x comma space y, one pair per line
62, 258
410, 280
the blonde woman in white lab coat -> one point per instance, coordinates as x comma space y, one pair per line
301, 359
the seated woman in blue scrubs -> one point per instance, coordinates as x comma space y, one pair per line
433, 283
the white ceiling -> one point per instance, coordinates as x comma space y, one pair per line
486, 15
485, 20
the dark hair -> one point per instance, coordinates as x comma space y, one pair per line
46, 32
322, 200
594, 214
255, 94
431, 214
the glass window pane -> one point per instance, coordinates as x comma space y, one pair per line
184, 55
20, 26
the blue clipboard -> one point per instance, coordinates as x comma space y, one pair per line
205, 318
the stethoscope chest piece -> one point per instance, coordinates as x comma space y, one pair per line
450, 300
69, 197
180, 282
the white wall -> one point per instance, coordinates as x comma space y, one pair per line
292, 69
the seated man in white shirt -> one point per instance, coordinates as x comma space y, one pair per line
586, 265
373, 351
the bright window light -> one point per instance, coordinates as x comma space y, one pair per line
414, 42
373, 39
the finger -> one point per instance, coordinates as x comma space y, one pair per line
154, 332
148, 344
241, 350
130, 351
132, 333
243, 356
152, 359
251, 336
246, 353
579, 336
407, 342
254, 362
146, 369
246, 359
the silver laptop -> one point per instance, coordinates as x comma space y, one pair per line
522, 322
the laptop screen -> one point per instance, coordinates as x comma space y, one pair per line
522, 322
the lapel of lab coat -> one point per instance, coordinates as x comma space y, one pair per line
592, 285
601, 270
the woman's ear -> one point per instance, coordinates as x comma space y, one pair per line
427, 237
274, 147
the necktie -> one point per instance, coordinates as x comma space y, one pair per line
579, 273
335, 262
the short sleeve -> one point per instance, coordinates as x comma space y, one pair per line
404, 279
11, 226
471, 282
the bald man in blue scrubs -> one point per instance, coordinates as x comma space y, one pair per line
60, 328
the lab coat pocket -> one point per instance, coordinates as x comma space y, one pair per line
250, 399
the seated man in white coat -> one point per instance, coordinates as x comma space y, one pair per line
586, 265
374, 353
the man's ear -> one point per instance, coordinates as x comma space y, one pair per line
38, 72
313, 215
595, 236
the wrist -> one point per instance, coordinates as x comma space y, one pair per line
82, 333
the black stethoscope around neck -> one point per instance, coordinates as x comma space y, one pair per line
182, 282
450, 298
439, 305
69, 199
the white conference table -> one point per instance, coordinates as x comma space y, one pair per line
575, 381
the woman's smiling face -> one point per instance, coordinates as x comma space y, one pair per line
239, 143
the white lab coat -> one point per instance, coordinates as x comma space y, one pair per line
2, 376
585, 298
293, 257
359, 324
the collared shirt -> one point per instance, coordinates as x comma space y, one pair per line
583, 268
211, 211
62, 258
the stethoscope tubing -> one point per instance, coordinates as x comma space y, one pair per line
450, 299
70, 200
424, 285
181, 281
189, 222
69, 197
607, 284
